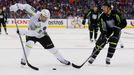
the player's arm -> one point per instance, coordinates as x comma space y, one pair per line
28, 8
85, 16
102, 24
121, 21
36, 32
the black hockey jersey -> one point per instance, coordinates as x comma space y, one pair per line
111, 20
92, 16
3, 16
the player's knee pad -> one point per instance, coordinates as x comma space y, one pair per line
29, 44
101, 41
113, 41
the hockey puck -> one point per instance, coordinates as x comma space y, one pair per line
54, 68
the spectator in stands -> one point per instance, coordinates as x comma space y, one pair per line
70, 6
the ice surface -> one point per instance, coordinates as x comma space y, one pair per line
75, 46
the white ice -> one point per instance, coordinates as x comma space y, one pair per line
75, 46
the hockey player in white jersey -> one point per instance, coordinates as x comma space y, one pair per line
37, 32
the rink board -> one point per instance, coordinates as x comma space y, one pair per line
57, 23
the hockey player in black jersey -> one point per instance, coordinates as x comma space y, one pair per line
3, 20
111, 24
92, 17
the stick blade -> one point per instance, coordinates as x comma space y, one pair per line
76, 66
35, 68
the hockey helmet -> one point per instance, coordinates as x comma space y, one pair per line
45, 12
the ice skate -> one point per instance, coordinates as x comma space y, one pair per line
108, 61
23, 62
6, 33
91, 60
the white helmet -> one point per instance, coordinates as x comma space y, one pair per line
45, 12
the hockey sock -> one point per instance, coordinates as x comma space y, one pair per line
28, 48
95, 34
111, 52
113, 41
91, 35
56, 53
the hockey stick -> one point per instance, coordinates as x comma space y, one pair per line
79, 66
35, 68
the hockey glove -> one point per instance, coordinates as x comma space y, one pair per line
104, 37
83, 22
21, 32
41, 30
116, 30
18, 32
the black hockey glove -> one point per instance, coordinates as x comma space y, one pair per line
116, 30
83, 22
42, 30
104, 37
18, 32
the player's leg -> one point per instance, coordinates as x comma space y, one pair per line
30, 41
99, 46
90, 32
47, 43
113, 41
4, 25
95, 32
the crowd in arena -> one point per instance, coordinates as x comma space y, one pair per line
65, 8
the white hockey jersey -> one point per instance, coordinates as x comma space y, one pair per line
35, 25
